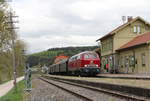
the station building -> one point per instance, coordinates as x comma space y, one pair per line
127, 48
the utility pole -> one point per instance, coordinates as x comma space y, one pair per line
12, 32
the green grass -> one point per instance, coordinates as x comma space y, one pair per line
15, 96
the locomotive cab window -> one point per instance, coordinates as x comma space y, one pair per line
78, 57
92, 56
86, 56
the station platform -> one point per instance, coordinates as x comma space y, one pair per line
144, 76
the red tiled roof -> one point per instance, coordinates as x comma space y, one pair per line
60, 58
139, 40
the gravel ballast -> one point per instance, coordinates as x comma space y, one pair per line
94, 95
43, 91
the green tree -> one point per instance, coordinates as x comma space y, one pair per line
6, 49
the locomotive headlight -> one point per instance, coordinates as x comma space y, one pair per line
85, 65
96, 65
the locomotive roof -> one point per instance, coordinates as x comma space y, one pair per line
84, 53
87, 52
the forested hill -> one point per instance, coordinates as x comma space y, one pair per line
47, 57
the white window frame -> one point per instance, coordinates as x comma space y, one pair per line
134, 29
143, 58
138, 29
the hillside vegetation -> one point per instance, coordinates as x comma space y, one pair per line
47, 57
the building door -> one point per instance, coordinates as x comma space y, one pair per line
126, 64
110, 62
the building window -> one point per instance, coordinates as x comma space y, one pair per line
102, 47
131, 60
110, 44
121, 61
137, 29
134, 29
107, 45
143, 59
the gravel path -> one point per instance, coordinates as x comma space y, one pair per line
6, 87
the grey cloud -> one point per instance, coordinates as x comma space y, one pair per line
57, 18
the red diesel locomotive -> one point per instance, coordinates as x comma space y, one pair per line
84, 64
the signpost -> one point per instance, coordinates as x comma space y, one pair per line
28, 78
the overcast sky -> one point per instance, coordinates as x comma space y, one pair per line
58, 23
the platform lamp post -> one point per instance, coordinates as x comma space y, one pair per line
11, 29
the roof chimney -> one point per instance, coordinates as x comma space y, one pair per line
123, 19
130, 18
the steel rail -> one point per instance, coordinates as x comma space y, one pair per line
114, 93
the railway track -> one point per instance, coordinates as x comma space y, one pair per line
128, 97
84, 98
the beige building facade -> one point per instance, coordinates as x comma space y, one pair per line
135, 60
113, 59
